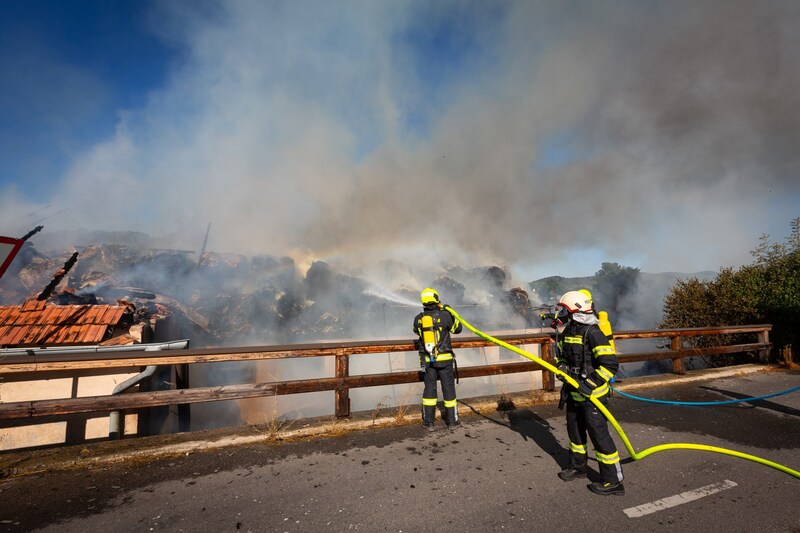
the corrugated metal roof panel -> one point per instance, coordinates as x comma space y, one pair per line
69, 316
101, 333
27, 318
65, 316
33, 305
6, 334
34, 323
74, 334
30, 335
88, 316
17, 333
53, 316
114, 314
47, 332
62, 335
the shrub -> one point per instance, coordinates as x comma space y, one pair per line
764, 292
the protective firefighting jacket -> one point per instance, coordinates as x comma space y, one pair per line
442, 325
589, 356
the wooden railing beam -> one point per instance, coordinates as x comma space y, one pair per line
47, 366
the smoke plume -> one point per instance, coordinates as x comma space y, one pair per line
538, 135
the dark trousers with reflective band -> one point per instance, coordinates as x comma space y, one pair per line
582, 418
444, 373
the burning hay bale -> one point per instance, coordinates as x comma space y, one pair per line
232, 299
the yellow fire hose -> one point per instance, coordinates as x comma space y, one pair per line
635, 455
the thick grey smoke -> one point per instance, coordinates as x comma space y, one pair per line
661, 135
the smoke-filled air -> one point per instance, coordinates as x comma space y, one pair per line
543, 136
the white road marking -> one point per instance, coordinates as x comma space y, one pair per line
672, 501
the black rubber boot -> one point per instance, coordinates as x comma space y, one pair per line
452, 417
428, 416
607, 489
568, 474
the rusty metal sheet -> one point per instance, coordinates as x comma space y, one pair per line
5, 335
96, 332
93, 316
35, 323
75, 334
48, 333
27, 318
52, 315
75, 315
17, 332
60, 335
113, 314
30, 335
69, 314
32, 305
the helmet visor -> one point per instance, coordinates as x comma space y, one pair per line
561, 312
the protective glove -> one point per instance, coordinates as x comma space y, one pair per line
555, 322
586, 387
564, 368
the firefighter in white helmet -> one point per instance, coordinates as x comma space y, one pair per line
587, 355
434, 326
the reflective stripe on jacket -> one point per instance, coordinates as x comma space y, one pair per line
589, 355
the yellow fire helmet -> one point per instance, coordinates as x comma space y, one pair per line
429, 296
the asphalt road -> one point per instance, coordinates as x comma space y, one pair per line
495, 473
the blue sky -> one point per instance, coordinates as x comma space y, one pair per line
547, 136
69, 67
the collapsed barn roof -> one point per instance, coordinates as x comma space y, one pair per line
67, 318
35, 323
230, 299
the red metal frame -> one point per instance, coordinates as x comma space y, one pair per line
16, 245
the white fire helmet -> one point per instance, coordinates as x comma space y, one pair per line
576, 302
588, 295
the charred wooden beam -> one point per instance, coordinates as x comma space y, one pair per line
31, 233
58, 277
203, 248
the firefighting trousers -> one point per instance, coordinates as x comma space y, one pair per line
444, 373
584, 418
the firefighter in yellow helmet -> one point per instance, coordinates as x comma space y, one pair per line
587, 355
434, 326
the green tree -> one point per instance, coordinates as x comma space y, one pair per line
765, 292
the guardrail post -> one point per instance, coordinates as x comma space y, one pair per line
763, 355
548, 381
677, 362
342, 391
184, 409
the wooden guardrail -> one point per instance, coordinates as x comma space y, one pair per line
341, 383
